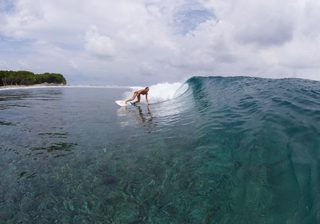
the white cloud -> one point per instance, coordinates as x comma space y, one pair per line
99, 45
148, 41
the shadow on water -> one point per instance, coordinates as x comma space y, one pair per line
145, 116
135, 116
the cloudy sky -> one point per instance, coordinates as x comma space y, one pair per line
139, 42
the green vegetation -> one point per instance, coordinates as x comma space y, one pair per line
29, 78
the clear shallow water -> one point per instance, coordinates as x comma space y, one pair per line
229, 150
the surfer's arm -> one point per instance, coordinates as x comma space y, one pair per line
147, 99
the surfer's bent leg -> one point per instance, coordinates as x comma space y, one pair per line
132, 98
138, 99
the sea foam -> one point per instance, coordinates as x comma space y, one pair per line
161, 92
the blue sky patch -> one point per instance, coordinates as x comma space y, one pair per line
6, 5
187, 20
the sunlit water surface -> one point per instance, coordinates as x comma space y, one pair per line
228, 150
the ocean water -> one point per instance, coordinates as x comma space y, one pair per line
210, 150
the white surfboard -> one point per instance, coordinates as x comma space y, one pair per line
121, 103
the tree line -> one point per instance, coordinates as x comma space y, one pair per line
29, 78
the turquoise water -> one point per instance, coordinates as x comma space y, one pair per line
228, 150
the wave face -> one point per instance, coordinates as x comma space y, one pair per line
259, 140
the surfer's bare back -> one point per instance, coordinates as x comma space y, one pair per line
137, 94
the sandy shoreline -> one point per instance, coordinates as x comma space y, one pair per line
43, 85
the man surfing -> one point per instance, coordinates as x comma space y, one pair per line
137, 94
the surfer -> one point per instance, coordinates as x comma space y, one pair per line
137, 94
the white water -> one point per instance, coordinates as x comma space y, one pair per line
160, 92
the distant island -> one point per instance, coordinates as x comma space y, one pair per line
27, 78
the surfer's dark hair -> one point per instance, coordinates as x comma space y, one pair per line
147, 87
